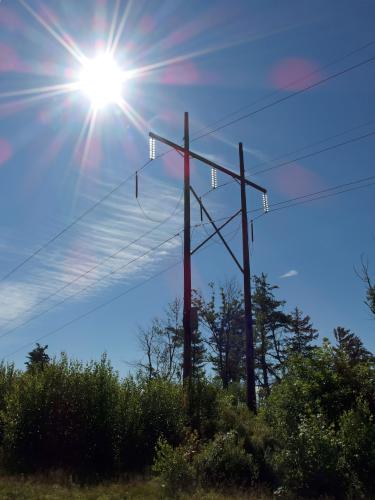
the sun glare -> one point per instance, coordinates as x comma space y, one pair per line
102, 81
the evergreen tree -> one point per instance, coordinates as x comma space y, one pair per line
223, 323
351, 345
37, 358
269, 321
302, 333
162, 346
364, 275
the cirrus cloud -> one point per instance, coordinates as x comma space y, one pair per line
289, 274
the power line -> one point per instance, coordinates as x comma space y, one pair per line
122, 183
322, 196
304, 157
309, 195
71, 224
94, 309
79, 218
315, 143
314, 153
113, 299
293, 82
289, 96
99, 306
95, 282
96, 266
151, 219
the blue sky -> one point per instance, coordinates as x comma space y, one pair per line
214, 59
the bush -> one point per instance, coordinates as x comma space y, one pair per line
356, 436
203, 407
175, 466
8, 376
323, 431
224, 461
308, 461
149, 410
65, 416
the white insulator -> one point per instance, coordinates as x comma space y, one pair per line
152, 148
213, 178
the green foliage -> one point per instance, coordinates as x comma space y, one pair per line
63, 416
148, 410
8, 375
224, 462
301, 333
357, 441
175, 466
38, 358
269, 319
312, 414
350, 345
222, 322
202, 407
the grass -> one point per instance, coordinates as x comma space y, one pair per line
34, 488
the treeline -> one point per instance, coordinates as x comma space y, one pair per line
218, 341
314, 433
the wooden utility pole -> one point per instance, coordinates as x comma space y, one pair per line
187, 316
186, 371
250, 365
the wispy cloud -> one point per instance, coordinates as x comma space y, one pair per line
87, 250
289, 274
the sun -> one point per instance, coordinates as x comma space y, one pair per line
101, 80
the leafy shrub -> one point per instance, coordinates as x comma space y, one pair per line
323, 434
356, 436
308, 461
8, 376
175, 466
203, 407
64, 416
149, 410
224, 461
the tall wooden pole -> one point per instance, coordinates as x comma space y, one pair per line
187, 258
250, 365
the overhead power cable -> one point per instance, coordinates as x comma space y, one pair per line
122, 294
287, 97
95, 282
308, 195
118, 186
99, 306
299, 158
292, 82
96, 266
93, 310
311, 144
318, 152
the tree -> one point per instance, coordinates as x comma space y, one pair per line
302, 333
224, 326
37, 358
364, 275
351, 345
269, 323
162, 343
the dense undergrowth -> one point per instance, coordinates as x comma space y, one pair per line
314, 434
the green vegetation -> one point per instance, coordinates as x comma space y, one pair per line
314, 434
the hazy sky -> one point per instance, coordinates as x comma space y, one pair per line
222, 62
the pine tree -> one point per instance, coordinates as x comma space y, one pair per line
37, 358
269, 321
302, 333
223, 322
351, 345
